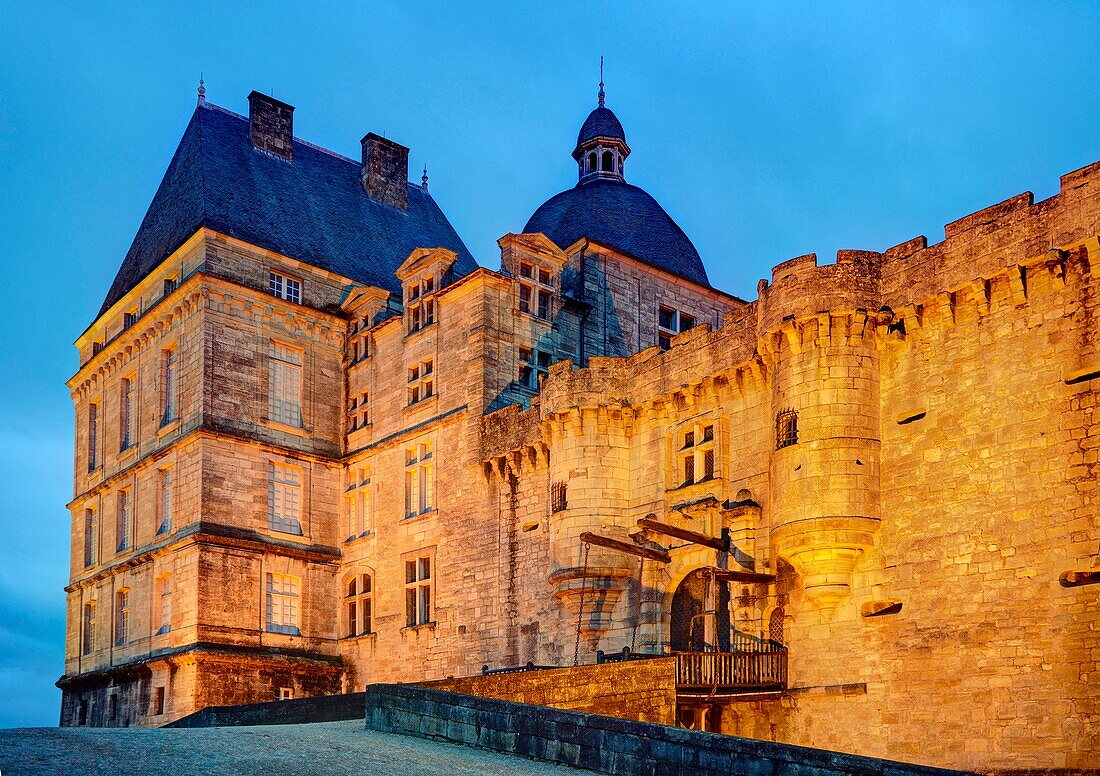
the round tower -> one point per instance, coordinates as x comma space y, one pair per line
819, 330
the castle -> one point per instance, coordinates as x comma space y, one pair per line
318, 446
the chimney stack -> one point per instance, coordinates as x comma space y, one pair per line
385, 171
271, 124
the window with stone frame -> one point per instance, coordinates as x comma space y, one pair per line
93, 437
534, 366
284, 287
124, 504
285, 384
359, 341
360, 507
168, 388
419, 487
418, 591
158, 701
419, 304
786, 429
421, 381
536, 291
696, 453
358, 605
282, 606
359, 411
166, 502
89, 536
129, 318
671, 322
164, 594
284, 500
87, 636
122, 617
127, 414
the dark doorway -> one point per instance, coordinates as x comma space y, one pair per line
688, 623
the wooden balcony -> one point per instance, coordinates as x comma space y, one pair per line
731, 672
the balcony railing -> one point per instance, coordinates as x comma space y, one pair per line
731, 671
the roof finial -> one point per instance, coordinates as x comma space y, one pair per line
424, 179
202, 91
601, 95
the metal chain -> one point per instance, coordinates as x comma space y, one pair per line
580, 609
638, 618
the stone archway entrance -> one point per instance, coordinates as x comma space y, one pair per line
700, 617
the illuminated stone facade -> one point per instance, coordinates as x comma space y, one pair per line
365, 482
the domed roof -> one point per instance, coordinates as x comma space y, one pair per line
622, 217
601, 122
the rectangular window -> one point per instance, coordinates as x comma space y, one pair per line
284, 287
129, 319
122, 616
126, 414
418, 480
168, 386
559, 497
285, 499
786, 429
166, 502
285, 385
112, 707
671, 322
536, 297
87, 645
359, 411
282, 604
696, 453
170, 285
544, 305
418, 592
122, 519
525, 298
359, 504
285, 694
421, 382
165, 605
534, 366
158, 701
358, 605
89, 537
93, 437
419, 304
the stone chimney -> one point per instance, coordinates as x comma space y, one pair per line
385, 171
271, 124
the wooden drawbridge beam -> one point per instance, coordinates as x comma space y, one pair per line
631, 549
720, 544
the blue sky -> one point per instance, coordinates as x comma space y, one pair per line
766, 130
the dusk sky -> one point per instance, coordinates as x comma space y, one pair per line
766, 130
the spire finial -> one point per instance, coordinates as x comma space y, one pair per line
202, 91
424, 179
601, 94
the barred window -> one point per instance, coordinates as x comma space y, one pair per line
358, 605
697, 453
559, 500
284, 287
285, 499
418, 591
285, 389
282, 608
419, 491
786, 429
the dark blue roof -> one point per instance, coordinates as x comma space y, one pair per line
623, 217
601, 122
313, 209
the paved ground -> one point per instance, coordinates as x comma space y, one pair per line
329, 748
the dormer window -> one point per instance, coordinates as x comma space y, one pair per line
285, 287
419, 304
536, 291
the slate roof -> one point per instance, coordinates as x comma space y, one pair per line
601, 122
313, 209
623, 217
